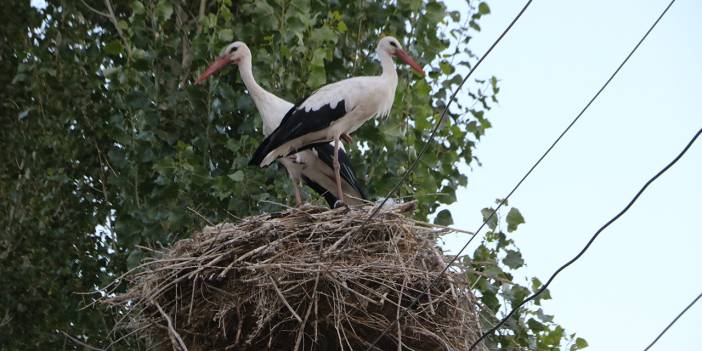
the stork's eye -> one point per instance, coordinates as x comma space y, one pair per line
394, 44
234, 49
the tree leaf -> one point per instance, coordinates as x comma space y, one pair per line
580, 344
535, 325
237, 176
137, 100
513, 259
324, 34
138, 8
113, 48
514, 219
474, 25
164, 9
226, 35
553, 338
483, 8
444, 218
492, 221
544, 317
317, 77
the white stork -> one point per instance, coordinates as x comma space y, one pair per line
337, 109
313, 165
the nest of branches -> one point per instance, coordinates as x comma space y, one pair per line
304, 279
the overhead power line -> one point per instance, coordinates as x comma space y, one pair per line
424, 149
673, 322
550, 148
594, 236
577, 117
526, 175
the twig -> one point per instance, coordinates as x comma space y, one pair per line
453, 229
301, 331
175, 337
199, 215
87, 346
285, 301
399, 308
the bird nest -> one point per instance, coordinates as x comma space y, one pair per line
304, 279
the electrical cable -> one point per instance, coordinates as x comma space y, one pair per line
558, 139
426, 146
673, 322
594, 236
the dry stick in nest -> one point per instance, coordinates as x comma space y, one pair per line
175, 337
267, 282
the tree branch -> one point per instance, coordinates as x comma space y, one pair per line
187, 57
104, 14
113, 19
89, 347
201, 14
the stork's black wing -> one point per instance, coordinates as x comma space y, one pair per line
325, 152
296, 123
328, 196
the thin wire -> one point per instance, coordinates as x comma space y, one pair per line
570, 125
673, 321
424, 149
553, 276
502, 202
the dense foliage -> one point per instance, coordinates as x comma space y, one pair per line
107, 147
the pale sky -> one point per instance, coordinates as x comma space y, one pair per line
644, 268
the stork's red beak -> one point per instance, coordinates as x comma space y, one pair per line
408, 60
219, 63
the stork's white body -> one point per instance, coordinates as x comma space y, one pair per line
335, 110
364, 98
272, 110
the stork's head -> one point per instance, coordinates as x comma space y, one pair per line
235, 52
392, 47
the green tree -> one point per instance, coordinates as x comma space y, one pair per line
107, 147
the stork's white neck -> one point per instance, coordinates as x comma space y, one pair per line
388, 82
268, 105
388, 65
247, 76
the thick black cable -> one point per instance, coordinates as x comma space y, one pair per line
570, 125
673, 321
502, 202
597, 233
426, 147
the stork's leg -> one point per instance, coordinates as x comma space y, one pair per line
337, 170
296, 190
347, 138
295, 179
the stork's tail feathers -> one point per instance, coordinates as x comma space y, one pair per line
270, 158
258, 158
331, 199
